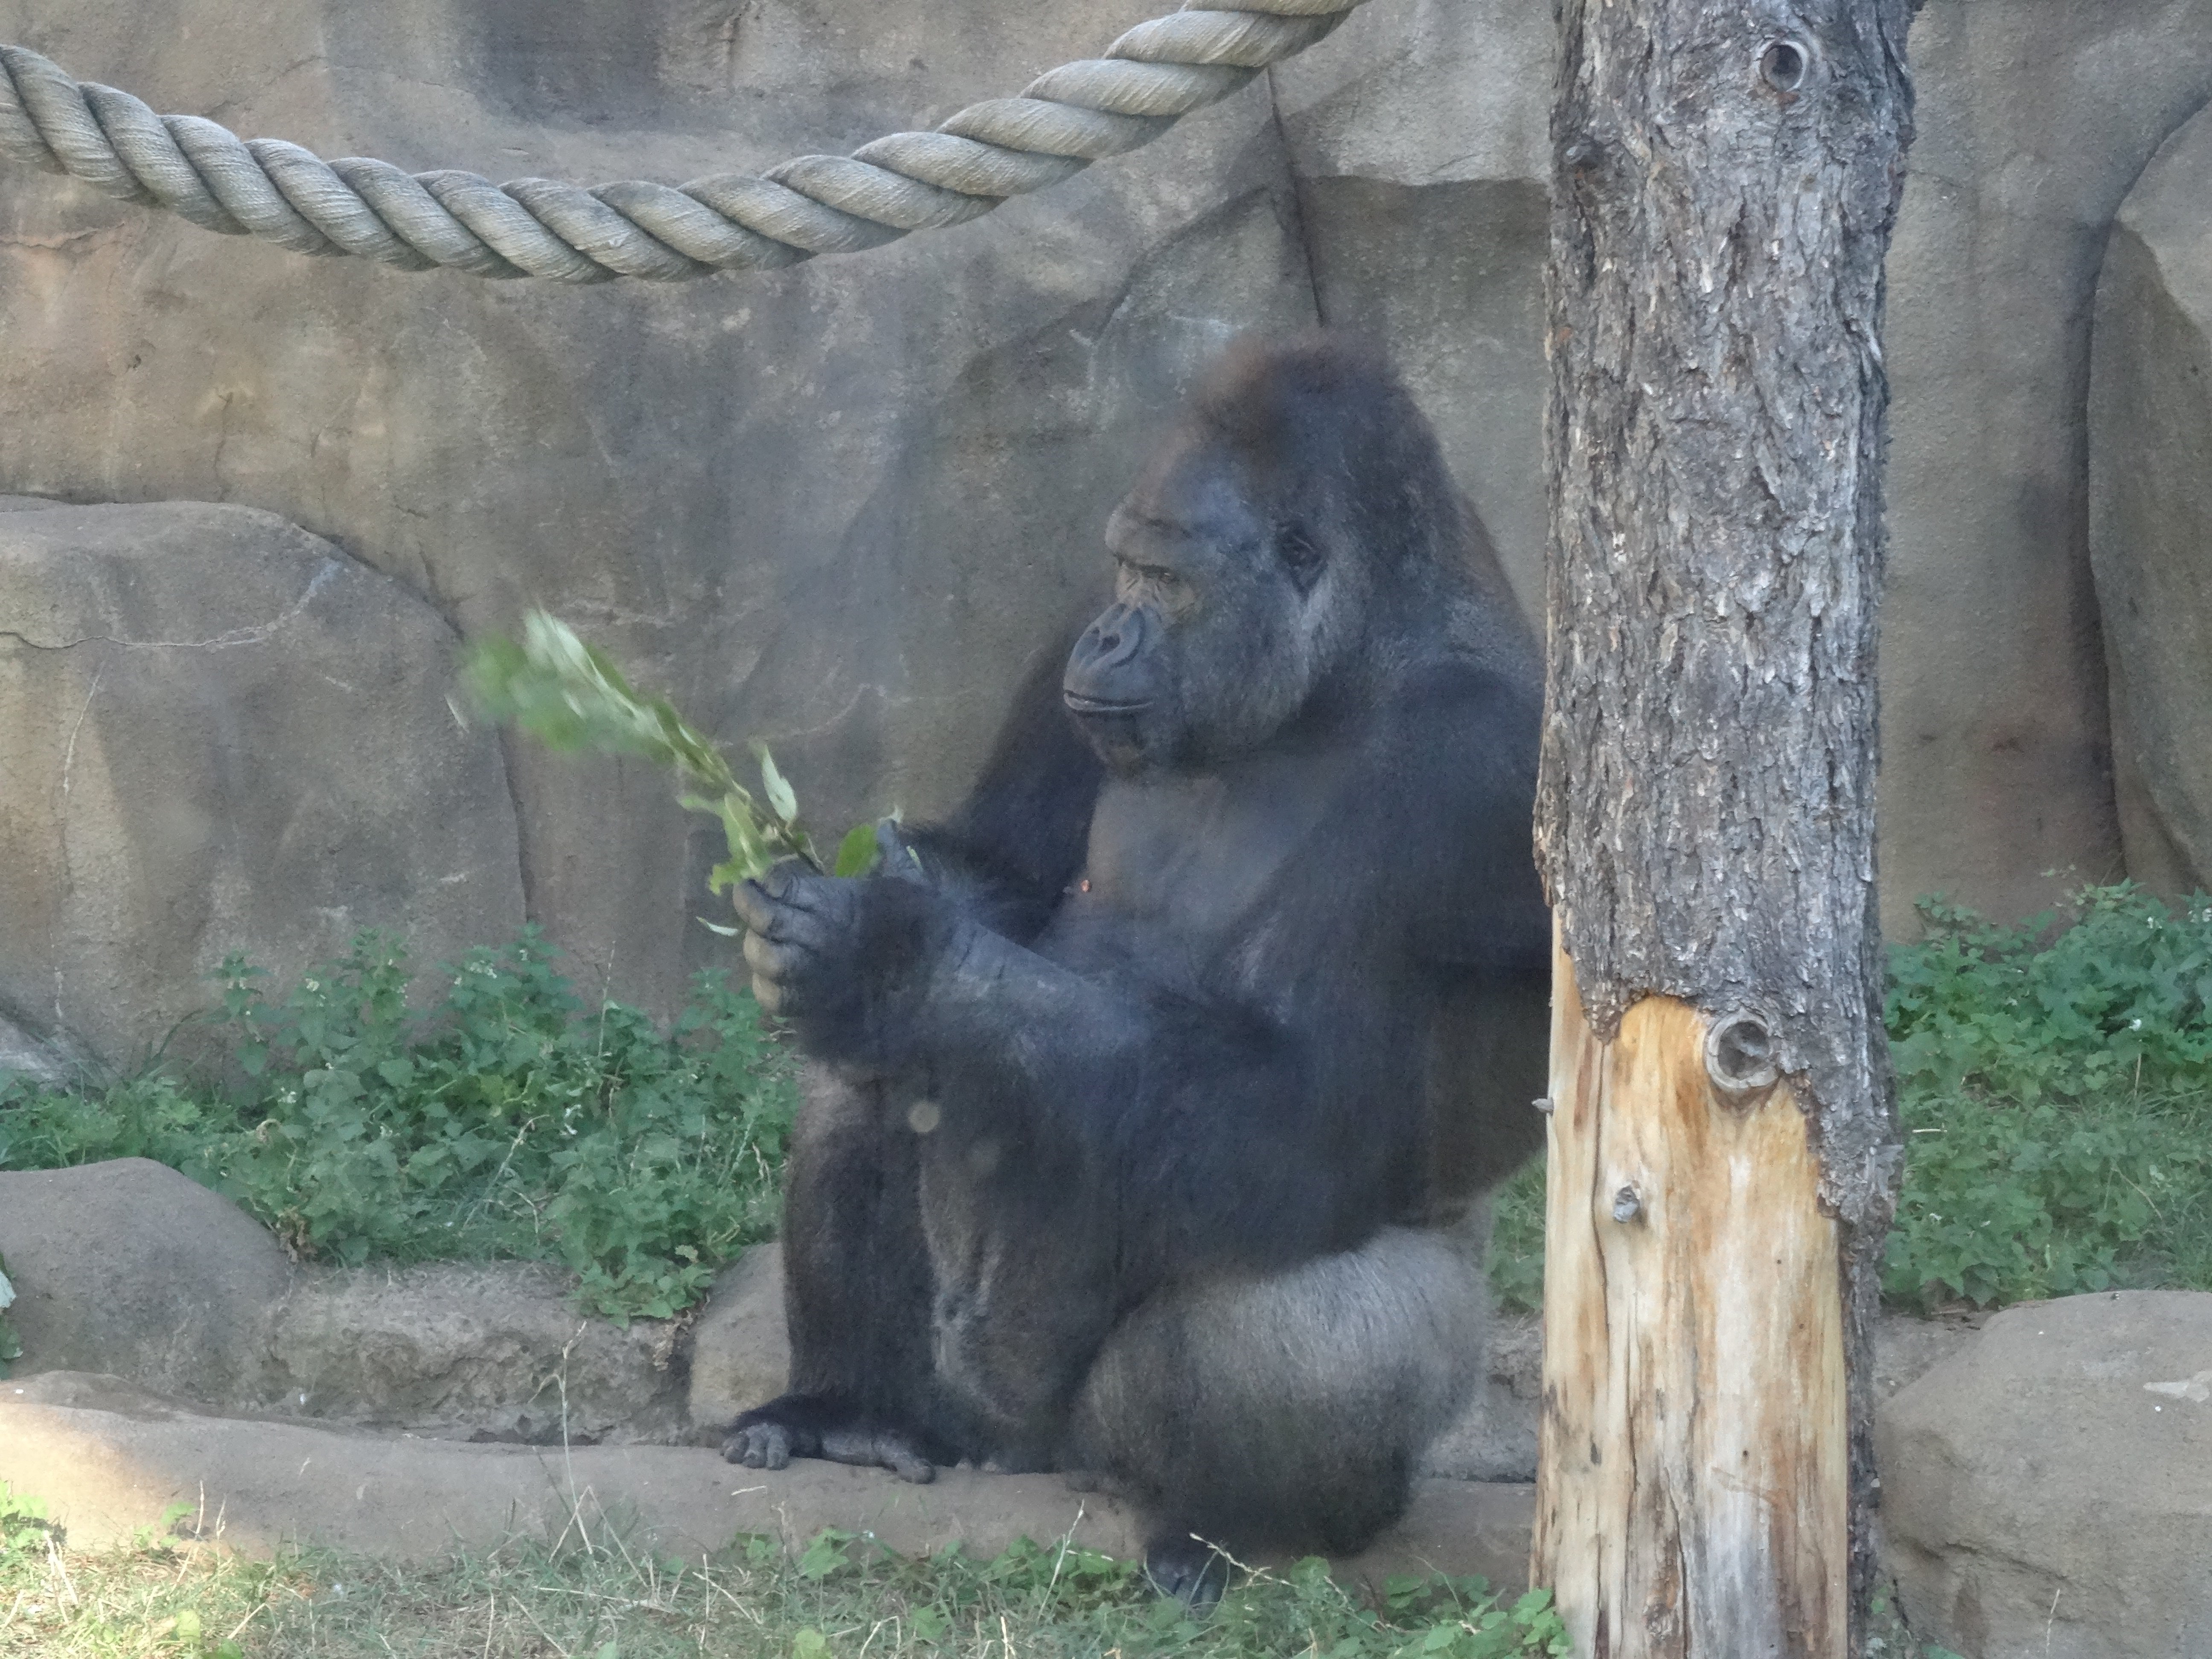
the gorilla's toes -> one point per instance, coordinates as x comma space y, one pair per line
904, 1461
879, 1448
759, 1446
1189, 1569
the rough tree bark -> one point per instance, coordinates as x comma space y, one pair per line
1726, 174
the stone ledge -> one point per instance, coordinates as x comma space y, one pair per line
110, 1468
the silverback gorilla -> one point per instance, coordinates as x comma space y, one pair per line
1156, 1089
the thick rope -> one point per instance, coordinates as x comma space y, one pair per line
1064, 120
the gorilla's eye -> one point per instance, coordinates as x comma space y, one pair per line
1167, 592
1301, 557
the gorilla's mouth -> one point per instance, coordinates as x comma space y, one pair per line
1081, 704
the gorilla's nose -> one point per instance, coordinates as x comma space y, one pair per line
1115, 640
1107, 671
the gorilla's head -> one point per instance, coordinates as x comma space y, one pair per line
1274, 559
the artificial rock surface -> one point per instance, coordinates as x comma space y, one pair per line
2150, 468
2048, 1492
842, 507
740, 1351
132, 1270
129, 1267
221, 733
472, 1351
111, 1459
2034, 118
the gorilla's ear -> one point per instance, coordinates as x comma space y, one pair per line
1301, 555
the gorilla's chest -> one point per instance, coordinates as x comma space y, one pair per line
1186, 875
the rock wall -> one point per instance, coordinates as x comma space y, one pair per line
841, 507
2035, 117
222, 734
2150, 466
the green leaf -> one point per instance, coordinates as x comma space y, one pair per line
570, 695
826, 1556
858, 853
780, 796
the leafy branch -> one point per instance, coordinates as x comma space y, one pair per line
570, 697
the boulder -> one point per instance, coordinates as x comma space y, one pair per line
2048, 1492
129, 1268
2150, 509
223, 734
478, 1351
740, 1351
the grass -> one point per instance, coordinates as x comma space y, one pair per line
604, 1598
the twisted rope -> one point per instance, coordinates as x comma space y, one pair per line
1063, 121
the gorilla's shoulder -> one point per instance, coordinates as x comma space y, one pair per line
1466, 702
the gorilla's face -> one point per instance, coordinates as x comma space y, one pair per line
1226, 615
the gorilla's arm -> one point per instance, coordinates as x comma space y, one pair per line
1214, 1137
1464, 751
1009, 851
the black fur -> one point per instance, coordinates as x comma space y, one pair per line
1155, 1089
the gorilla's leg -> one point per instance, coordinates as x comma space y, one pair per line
857, 1295
1286, 1411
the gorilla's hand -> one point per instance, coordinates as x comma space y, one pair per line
847, 962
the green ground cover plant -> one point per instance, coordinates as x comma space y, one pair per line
502, 1119
596, 1595
2054, 1078
2054, 1081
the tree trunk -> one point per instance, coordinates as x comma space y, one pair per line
1722, 1141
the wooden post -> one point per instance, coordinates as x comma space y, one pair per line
1723, 1142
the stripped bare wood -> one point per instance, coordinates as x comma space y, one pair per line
1694, 1428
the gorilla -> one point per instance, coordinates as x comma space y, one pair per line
1153, 1096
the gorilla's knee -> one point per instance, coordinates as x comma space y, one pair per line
1288, 1410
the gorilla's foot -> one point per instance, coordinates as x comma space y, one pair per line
815, 1425
879, 1448
1187, 1567
760, 1441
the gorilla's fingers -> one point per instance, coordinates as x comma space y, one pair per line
793, 883
754, 907
765, 957
768, 994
